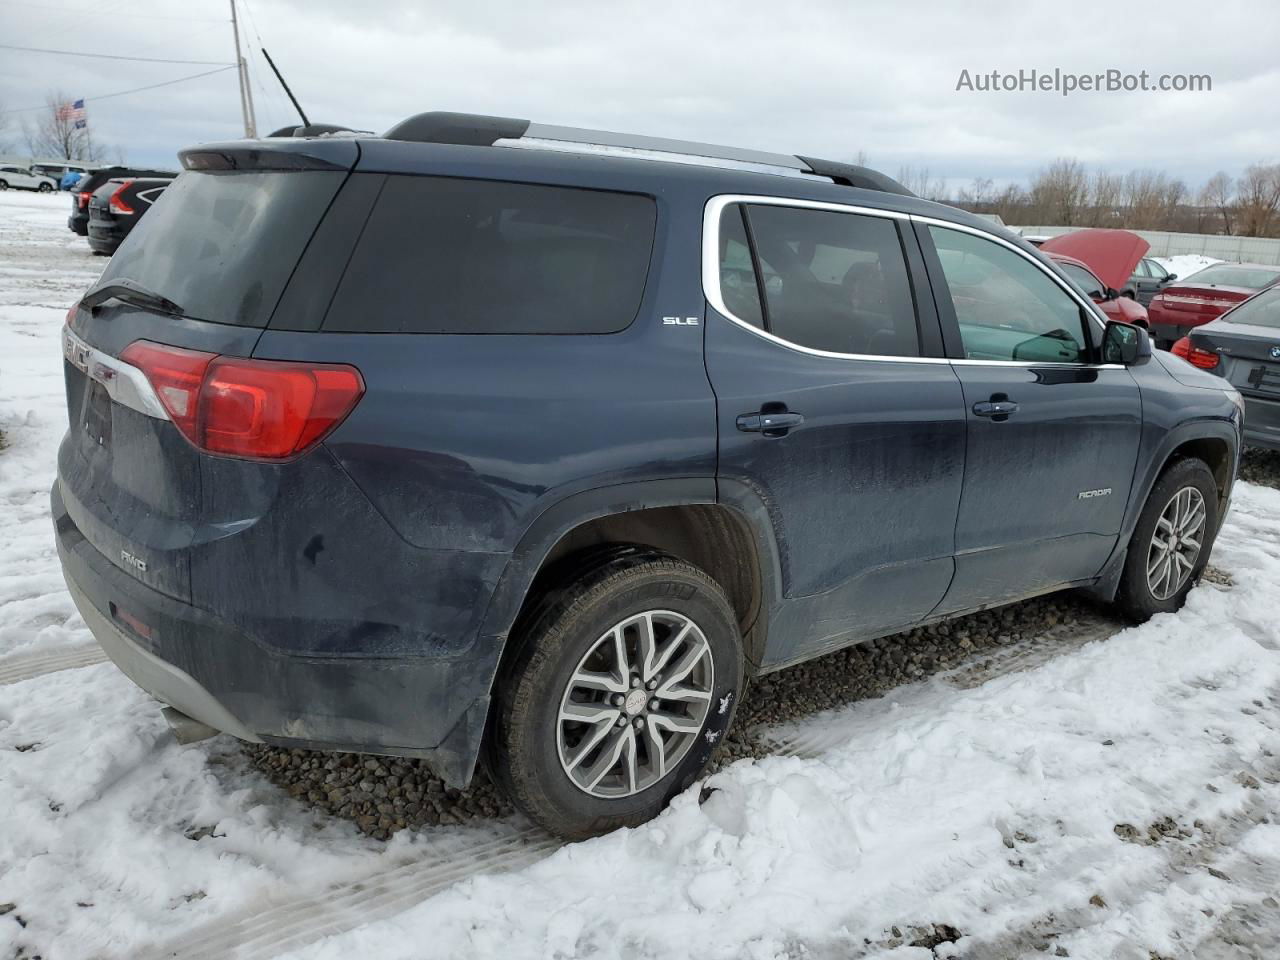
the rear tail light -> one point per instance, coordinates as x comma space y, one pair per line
255, 409
117, 202
1204, 359
84, 198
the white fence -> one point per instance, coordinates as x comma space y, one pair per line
1245, 249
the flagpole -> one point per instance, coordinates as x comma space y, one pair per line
242, 71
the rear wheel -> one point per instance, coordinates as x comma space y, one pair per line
620, 691
45, 188
4, 184
1171, 543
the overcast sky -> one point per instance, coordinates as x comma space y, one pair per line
823, 78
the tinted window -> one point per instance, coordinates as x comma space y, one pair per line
222, 245
1007, 307
835, 281
1085, 280
1262, 310
441, 255
1235, 275
738, 286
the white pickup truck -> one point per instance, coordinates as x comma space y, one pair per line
24, 179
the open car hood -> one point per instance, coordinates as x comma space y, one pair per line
1111, 254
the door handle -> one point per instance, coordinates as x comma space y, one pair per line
997, 408
769, 424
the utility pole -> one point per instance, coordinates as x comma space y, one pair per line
242, 71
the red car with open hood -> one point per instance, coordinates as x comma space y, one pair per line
1205, 296
1101, 262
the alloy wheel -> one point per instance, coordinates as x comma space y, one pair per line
1176, 543
635, 704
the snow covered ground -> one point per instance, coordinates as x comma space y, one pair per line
1118, 800
1185, 264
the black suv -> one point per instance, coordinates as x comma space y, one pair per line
117, 206
494, 439
83, 192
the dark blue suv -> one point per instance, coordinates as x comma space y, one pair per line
489, 439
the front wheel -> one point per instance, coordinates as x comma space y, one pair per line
4, 184
618, 696
1171, 542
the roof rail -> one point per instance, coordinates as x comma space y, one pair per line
477, 130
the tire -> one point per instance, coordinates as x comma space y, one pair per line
4, 184
1138, 598
45, 188
547, 764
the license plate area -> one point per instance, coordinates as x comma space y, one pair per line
96, 418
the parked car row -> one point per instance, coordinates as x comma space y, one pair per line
13, 177
108, 202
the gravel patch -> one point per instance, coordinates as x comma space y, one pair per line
1261, 467
382, 795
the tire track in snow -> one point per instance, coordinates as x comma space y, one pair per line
262, 934
26, 666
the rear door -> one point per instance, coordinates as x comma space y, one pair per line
837, 414
1052, 434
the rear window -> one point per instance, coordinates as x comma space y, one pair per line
1231, 275
222, 245
446, 255
1262, 310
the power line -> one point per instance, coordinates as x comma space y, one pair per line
121, 93
54, 11
112, 56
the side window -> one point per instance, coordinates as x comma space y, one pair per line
834, 281
444, 255
737, 276
1086, 281
1006, 306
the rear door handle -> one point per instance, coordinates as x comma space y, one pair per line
995, 409
770, 424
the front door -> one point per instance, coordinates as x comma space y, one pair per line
1052, 433
839, 420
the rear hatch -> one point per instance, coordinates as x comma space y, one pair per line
202, 272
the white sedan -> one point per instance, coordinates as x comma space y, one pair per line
24, 179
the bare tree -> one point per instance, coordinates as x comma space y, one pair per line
922, 184
1010, 204
55, 133
1059, 192
1105, 191
1258, 199
4, 129
1220, 194
978, 195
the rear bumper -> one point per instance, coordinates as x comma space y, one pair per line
78, 224
428, 707
1262, 423
104, 237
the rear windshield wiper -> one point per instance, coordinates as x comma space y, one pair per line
132, 292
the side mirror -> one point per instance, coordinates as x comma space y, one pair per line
1111, 294
1171, 276
1125, 343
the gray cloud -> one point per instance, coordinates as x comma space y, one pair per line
823, 77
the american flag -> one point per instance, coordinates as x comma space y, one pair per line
75, 113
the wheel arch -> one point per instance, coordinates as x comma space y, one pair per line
682, 518
1213, 441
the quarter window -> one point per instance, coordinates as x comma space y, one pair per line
1006, 306
831, 281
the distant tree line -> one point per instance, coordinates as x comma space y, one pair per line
1066, 193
